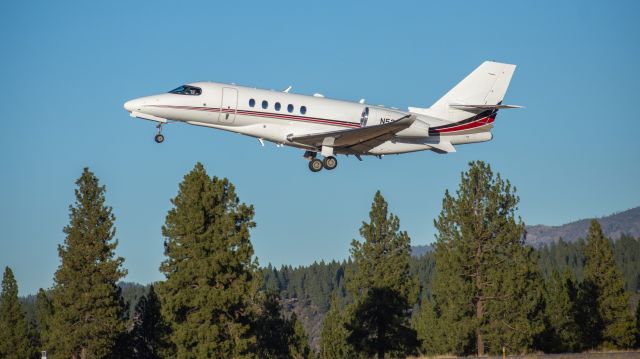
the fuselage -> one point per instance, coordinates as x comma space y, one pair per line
276, 116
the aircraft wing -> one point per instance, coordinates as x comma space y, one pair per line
359, 139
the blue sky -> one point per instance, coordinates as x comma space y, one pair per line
67, 68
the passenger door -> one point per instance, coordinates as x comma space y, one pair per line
229, 105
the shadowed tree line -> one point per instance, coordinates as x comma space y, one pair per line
480, 290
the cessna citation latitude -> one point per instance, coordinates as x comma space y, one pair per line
329, 127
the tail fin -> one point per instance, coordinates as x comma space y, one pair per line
486, 85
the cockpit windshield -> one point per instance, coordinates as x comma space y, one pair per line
187, 90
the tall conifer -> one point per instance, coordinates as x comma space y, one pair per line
298, 340
487, 289
563, 332
88, 312
14, 330
427, 329
150, 333
44, 313
607, 316
333, 337
381, 286
209, 296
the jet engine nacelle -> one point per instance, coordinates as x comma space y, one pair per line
372, 116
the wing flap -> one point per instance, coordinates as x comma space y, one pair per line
484, 107
359, 139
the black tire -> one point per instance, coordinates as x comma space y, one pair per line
315, 165
159, 138
330, 162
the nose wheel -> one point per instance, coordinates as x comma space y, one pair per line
159, 137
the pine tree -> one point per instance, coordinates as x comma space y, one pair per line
14, 330
603, 291
88, 313
515, 309
637, 325
298, 340
273, 331
333, 338
209, 296
44, 313
381, 286
487, 289
561, 311
426, 326
150, 333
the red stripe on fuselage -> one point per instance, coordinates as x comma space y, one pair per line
478, 123
267, 114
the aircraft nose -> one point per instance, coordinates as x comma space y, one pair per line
132, 105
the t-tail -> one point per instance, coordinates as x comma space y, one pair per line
479, 94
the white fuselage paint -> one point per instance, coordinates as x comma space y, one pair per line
227, 107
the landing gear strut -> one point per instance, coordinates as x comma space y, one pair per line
159, 137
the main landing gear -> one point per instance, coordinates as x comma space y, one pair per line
159, 137
315, 165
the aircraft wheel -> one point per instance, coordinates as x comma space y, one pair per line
159, 138
315, 165
330, 162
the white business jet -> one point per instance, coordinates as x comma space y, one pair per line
330, 127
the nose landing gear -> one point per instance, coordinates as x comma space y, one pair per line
159, 137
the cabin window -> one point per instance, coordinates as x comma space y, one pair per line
290, 108
187, 90
277, 106
252, 103
303, 109
265, 104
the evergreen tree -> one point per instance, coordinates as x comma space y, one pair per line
487, 289
426, 326
638, 325
381, 286
88, 313
14, 330
563, 332
333, 338
273, 331
515, 309
150, 333
608, 319
298, 341
209, 296
44, 312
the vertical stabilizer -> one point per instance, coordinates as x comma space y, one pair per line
486, 85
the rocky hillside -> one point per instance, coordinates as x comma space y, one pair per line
627, 222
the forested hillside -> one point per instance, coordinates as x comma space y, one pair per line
307, 290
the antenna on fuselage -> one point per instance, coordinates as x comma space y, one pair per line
361, 100
287, 89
